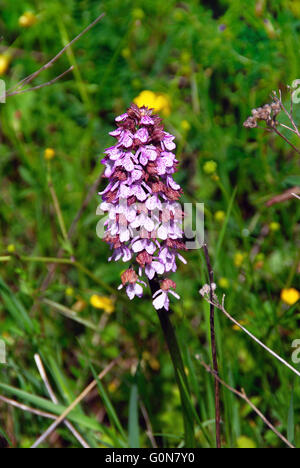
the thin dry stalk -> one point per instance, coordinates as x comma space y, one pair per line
222, 309
52, 395
82, 395
26, 408
19, 86
214, 347
244, 397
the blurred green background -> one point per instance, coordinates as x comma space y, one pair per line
210, 63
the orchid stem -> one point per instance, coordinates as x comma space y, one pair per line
180, 375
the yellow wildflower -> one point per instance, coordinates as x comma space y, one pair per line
113, 385
102, 302
154, 364
126, 52
4, 63
224, 283
241, 322
138, 13
69, 291
27, 19
146, 355
244, 442
238, 259
210, 167
290, 296
274, 226
49, 154
158, 102
185, 125
11, 248
220, 216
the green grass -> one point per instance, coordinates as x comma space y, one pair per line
213, 78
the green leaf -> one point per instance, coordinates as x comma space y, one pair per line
108, 405
133, 420
291, 420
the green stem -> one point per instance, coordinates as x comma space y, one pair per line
180, 375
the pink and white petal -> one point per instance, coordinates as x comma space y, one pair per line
138, 290
150, 272
140, 193
159, 301
124, 235
148, 225
138, 246
146, 120
174, 294
150, 248
183, 260
125, 191
127, 255
169, 144
158, 267
130, 291
128, 164
142, 135
162, 232
121, 117
172, 183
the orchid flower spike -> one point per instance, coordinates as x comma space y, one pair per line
144, 222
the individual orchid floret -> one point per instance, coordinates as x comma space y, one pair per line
131, 279
144, 222
160, 298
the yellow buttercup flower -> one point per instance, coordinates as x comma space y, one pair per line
244, 442
102, 302
27, 19
49, 153
4, 63
223, 283
274, 227
210, 167
11, 248
185, 125
154, 364
290, 296
241, 322
158, 102
238, 259
69, 292
220, 216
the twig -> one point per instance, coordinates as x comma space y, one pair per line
247, 399
296, 196
222, 309
31, 77
82, 395
148, 425
23, 407
282, 197
286, 139
213, 347
43, 85
52, 395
